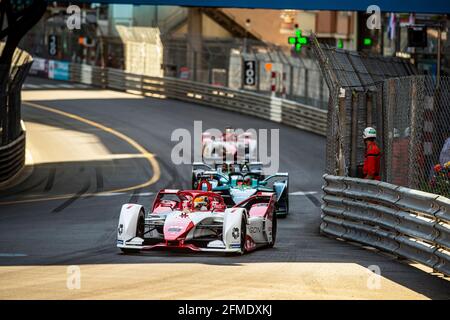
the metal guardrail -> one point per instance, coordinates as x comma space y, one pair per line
12, 158
271, 108
12, 135
407, 223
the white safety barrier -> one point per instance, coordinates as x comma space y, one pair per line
263, 106
407, 223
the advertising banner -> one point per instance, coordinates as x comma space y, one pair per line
39, 67
58, 70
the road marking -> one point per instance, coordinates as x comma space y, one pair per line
109, 194
145, 194
113, 194
12, 255
146, 154
30, 86
302, 193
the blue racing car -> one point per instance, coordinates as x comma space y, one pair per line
236, 187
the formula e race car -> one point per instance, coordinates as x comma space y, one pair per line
235, 187
198, 221
231, 145
226, 168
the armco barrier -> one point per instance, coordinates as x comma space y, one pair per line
263, 106
12, 134
407, 223
12, 158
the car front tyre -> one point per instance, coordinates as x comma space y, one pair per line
140, 230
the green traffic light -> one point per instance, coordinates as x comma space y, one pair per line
298, 41
367, 41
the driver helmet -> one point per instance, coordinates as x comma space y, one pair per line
201, 203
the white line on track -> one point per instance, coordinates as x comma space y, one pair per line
30, 86
109, 194
12, 255
113, 194
144, 194
302, 193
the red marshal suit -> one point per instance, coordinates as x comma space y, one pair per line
371, 167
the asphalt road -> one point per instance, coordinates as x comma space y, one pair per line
91, 151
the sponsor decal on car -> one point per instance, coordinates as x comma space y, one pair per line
255, 229
235, 233
119, 241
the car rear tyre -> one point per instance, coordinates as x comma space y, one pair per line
274, 230
243, 235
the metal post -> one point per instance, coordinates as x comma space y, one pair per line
355, 135
392, 95
369, 121
341, 128
258, 75
438, 62
380, 112
320, 91
195, 66
242, 72
306, 85
273, 84
414, 144
291, 81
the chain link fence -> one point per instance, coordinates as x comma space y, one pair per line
293, 76
213, 61
417, 133
411, 114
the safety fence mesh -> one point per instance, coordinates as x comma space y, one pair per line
417, 133
218, 62
411, 114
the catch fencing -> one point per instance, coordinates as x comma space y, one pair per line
218, 62
263, 106
295, 77
412, 117
12, 135
404, 222
355, 81
411, 114
416, 138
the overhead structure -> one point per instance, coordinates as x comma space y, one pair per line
417, 6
